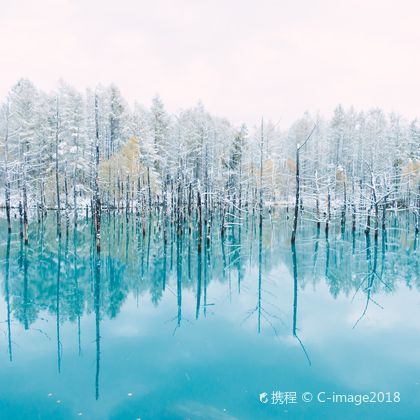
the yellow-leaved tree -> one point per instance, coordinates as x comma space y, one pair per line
411, 172
128, 170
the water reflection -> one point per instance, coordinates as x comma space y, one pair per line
65, 276
7, 296
295, 301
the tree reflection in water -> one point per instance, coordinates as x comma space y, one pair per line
64, 275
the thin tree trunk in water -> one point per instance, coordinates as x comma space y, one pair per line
97, 259
261, 171
119, 192
38, 212
200, 222
367, 229
57, 184
25, 211
297, 197
97, 199
376, 207
223, 210
384, 213
74, 198
240, 188
296, 212
150, 190
189, 208
208, 236
66, 191
318, 219
138, 196
179, 211
327, 223
353, 206
344, 210
43, 200
127, 196
6, 171
25, 194
20, 213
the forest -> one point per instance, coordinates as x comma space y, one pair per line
82, 154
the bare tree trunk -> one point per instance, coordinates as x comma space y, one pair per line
353, 207
138, 196
127, 196
189, 208
376, 207
96, 196
344, 209
261, 171
25, 192
57, 183
66, 190
25, 210
297, 196
367, 229
318, 218
327, 222
296, 212
6, 170
149, 190
384, 212
200, 222
74, 197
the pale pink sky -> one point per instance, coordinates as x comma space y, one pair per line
242, 58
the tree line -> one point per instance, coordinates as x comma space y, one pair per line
90, 152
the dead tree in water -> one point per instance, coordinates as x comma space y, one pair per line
97, 223
261, 173
200, 222
57, 181
96, 196
353, 210
297, 200
6, 167
328, 219
318, 218
344, 209
375, 202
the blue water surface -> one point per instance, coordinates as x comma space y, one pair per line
243, 329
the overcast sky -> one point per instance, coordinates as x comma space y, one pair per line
242, 58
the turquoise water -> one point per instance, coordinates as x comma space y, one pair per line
157, 330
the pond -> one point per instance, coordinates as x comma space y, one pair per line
245, 327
